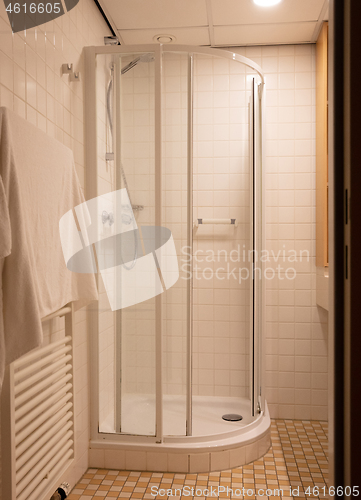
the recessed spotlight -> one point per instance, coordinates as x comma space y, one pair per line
266, 3
164, 38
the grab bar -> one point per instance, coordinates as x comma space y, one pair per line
232, 222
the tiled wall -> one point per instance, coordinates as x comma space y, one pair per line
31, 84
296, 328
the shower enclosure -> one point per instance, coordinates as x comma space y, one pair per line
178, 378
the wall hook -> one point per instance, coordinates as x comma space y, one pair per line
66, 69
74, 77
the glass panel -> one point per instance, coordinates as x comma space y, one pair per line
136, 172
127, 372
174, 217
107, 319
222, 284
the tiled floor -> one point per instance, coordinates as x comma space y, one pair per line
296, 460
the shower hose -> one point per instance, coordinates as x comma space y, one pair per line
127, 218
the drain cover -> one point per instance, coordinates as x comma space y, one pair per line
232, 417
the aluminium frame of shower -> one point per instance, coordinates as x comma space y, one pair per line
91, 187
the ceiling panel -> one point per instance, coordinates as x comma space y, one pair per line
136, 14
246, 12
186, 36
264, 34
234, 22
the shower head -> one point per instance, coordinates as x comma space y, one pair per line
147, 58
144, 58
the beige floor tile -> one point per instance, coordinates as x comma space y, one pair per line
297, 459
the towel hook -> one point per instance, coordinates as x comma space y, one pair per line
75, 77
67, 69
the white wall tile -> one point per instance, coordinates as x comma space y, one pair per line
135, 460
157, 462
297, 359
114, 459
178, 462
96, 458
199, 462
220, 460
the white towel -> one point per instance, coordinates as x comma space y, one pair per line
40, 185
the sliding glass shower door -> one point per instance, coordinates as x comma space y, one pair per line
176, 307
135, 170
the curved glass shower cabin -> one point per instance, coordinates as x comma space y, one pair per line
180, 128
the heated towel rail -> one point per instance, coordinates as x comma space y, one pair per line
38, 417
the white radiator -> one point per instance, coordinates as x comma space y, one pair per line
38, 424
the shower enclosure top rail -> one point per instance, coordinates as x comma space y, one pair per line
227, 54
140, 49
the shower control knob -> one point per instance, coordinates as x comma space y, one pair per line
126, 219
107, 217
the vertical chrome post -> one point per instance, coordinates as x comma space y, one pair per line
189, 244
158, 222
252, 244
262, 223
117, 149
91, 191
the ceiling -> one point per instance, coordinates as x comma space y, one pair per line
216, 23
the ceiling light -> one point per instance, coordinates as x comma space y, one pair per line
266, 3
164, 38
